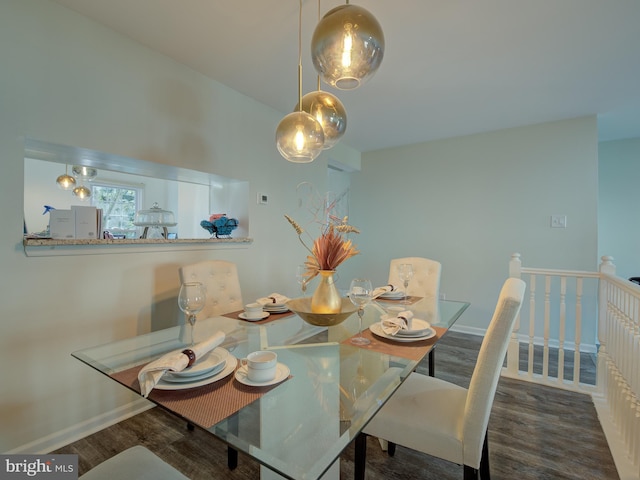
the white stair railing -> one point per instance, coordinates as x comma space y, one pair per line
616, 389
551, 320
619, 359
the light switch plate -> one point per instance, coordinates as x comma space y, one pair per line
263, 198
558, 221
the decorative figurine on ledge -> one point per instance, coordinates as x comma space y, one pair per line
218, 224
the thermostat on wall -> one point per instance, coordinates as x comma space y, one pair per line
262, 198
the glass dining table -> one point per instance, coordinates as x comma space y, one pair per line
297, 428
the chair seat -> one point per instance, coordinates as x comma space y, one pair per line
439, 430
133, 464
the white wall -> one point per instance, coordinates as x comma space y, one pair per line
618, 212
470, 202
69, 81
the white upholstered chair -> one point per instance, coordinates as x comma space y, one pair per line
425, 283
445, 420
222, 283
426, 276
135, 463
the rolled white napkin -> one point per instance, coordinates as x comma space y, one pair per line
274, 298
384, 289
175, 361
402, 321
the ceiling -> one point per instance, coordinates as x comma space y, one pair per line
450, 67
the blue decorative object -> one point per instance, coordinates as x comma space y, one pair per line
220, 226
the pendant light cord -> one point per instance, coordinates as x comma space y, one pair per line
300, 57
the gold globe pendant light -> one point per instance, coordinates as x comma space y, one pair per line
328, 110
347, 46
82, 192
299, 136
66, 181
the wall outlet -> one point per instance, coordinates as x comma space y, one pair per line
558, 221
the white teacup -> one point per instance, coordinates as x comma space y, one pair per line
261, 365
253, 310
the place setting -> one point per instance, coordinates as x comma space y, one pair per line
268, 308
402, 327
201, 364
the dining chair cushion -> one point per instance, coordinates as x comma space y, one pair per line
221, 280
439, 429
426, 276
135, 463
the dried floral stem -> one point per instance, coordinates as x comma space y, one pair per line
330, 249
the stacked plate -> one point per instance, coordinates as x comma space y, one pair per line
275, 307
395, 295
213, 366
420, 330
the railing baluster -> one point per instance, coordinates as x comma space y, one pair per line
547, 321
532, 325
561, 332
578, 334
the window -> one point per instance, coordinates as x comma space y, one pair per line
119, 204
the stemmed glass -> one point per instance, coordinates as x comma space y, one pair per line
405, 272
302, 278
360, 293
191, 300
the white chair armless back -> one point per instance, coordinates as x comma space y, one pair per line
486, 373
426, 276
222, 283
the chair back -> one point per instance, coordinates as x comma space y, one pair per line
220, 278
426, 276
486, 373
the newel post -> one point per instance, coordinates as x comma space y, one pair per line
513, 350
606, 268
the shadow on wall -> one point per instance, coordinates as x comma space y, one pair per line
165, 312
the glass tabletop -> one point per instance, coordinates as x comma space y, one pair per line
299, 428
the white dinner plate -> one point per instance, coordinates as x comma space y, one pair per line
261, 317
276, 309
419, 328
377, 330
206, 364
393, 295
230, 366
169, 377
282, 372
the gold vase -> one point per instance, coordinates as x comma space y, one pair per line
326, 298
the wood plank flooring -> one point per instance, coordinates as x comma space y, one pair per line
535, 433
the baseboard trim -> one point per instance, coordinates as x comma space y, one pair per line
624, 465
71, 434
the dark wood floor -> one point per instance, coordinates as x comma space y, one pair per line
534, 433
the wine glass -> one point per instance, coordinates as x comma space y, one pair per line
405, 271
302, 279
360, 293
191, 300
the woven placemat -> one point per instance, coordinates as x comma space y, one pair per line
204, 406
411, 350
270, 318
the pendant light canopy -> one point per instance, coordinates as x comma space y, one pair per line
347, 46
299, 136
66, 181
84, 173
329, 112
